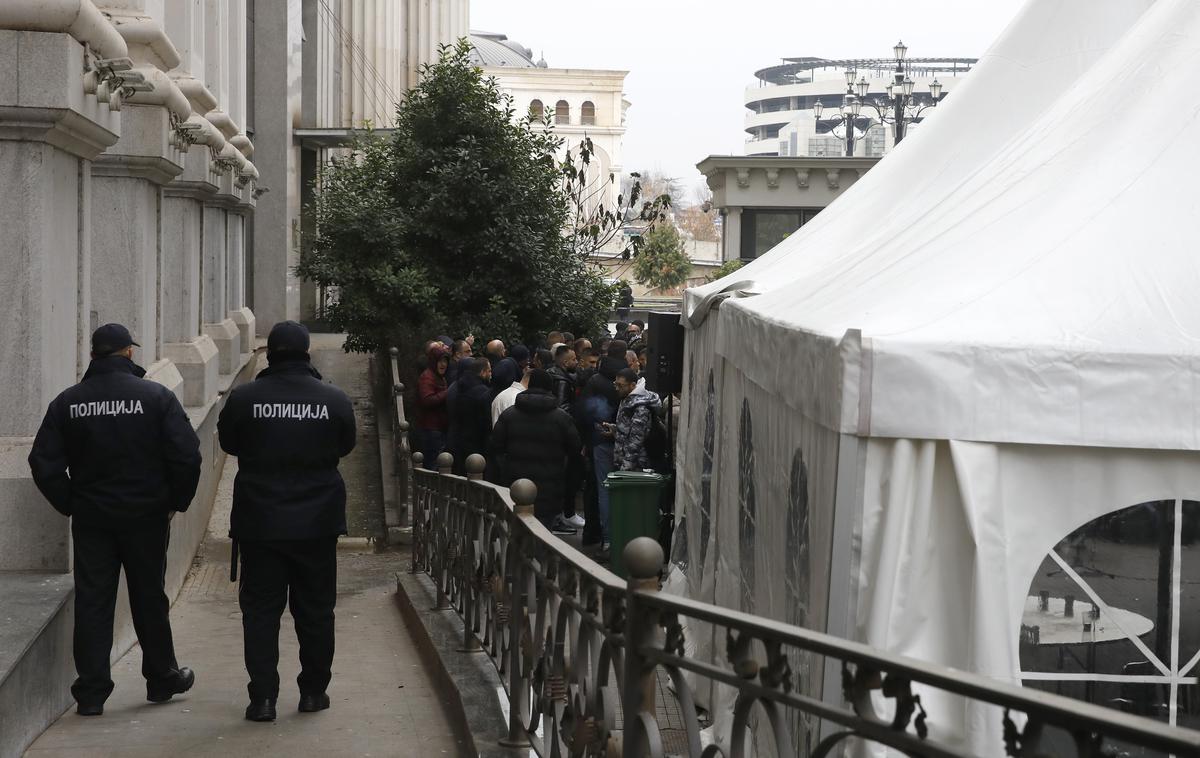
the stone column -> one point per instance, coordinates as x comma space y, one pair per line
214, 277
275, 102
241, 316
50, 130
732, 234
193, 353
127, 232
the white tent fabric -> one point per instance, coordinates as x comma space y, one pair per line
1046, 48
987, 342
1049, 298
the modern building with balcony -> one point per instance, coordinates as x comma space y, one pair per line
782, 118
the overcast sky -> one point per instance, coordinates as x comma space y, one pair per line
689, 61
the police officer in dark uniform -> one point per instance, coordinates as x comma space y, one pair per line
288, 429
118, 455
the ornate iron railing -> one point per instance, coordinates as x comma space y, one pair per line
401, 442
579, 649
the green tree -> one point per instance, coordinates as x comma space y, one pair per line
725, 269
661, 262
453, 224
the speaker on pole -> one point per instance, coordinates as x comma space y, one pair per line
664, 351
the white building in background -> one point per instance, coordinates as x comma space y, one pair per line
781, 120
582, 102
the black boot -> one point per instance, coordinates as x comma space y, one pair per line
313, 703
177, 685
261, 709
91, 709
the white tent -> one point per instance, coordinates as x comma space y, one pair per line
989, 341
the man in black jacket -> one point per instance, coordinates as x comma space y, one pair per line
470, 405
537, 440
288, 430
118, 454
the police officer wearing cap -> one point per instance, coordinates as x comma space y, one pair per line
288, 429
118, 455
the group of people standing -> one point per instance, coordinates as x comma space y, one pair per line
564, 414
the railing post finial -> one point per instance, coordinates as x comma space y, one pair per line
643, 560
475, 466
418, 459
394, 351
524, 493
445, 463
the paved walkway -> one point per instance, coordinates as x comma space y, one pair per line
383, 700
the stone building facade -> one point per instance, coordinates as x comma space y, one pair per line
154, 176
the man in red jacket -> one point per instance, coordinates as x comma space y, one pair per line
432, 418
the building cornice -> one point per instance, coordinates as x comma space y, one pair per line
722, 162
61, 127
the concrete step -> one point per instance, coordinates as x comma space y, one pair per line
36, 669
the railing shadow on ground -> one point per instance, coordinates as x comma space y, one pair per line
578, 649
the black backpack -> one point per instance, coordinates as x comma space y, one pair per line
656, 441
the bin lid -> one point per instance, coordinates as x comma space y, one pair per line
624, 478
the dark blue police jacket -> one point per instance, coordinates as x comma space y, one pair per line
288, 429
116, 448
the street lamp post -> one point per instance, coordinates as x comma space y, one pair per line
851, 108
898, 107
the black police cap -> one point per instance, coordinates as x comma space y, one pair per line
111, 338
288, 337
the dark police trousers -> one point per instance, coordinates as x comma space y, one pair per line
301, 574
100, 553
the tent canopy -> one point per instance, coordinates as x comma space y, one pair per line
1020, 270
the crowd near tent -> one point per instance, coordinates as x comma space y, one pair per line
955, 416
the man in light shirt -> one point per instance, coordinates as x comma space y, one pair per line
508, 397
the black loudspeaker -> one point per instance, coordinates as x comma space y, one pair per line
664, 351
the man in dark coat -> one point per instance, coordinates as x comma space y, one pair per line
470, 405
599, 410
118, 454
537, 440
288, 430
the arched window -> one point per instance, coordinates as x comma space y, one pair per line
1111, 616
796, 571
562, 112
747, 507
587, 113
537, 110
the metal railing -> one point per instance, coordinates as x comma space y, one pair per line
578, 650
401, 443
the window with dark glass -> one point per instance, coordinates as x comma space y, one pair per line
763, 229
562, 112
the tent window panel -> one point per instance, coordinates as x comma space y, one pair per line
1113, 614
706, 469
747, 507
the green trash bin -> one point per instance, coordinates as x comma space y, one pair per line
633, 498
